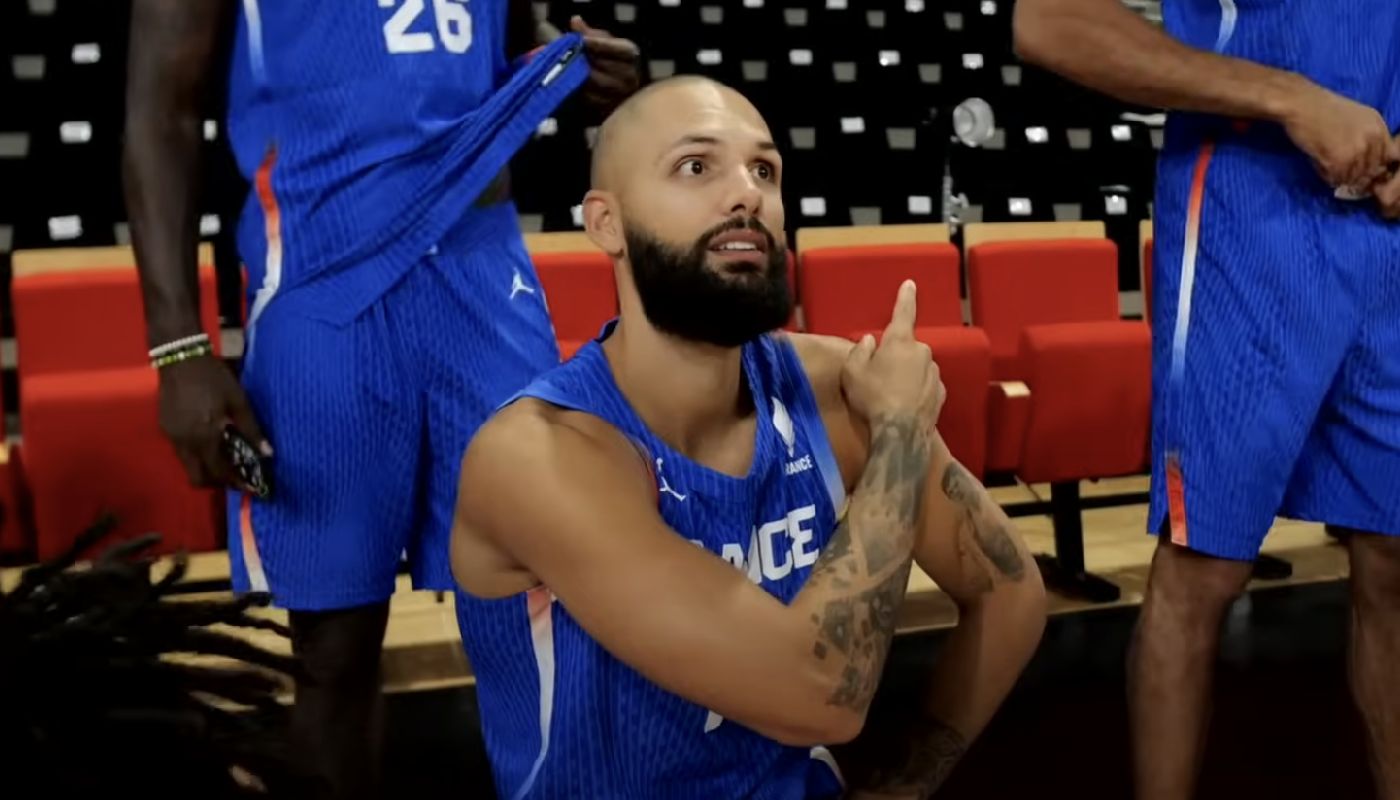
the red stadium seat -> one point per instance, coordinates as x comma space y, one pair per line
93, 446
848, 289
1050, 308
1091, 394
1017, 284
88, 403
579, 287
965, 365
1009, 400
89, 318
1048, 303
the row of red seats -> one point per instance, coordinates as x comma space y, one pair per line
1047, 382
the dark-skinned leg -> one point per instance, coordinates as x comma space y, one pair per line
1374, 655
337, 720
1171, 665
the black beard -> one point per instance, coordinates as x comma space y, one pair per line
685, 298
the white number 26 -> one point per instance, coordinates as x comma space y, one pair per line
454, 25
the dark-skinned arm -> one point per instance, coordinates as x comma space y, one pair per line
613, 75
174, 44
1107, 47
524, 32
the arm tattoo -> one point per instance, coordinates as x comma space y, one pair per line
990, 533
973, 569
862, 573
879, 608
917, 762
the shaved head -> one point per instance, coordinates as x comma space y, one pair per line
634, 115
687, 200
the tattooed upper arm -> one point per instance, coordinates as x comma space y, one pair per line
966, 543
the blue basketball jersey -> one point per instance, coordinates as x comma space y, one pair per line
368, 128
563, 718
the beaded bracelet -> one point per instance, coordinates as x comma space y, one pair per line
179, 344
170, 359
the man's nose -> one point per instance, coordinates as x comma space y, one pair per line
745, 195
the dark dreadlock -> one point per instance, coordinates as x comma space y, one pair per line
88, 704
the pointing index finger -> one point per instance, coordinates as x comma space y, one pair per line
905, 309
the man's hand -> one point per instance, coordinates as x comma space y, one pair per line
1387, 191
897, 377
1349, 143
198, 398
612, 62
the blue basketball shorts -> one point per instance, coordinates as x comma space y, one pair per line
1276, 350
369, 420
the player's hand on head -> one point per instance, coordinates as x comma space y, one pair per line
198, 398
896, 377
1348, 142
613, 73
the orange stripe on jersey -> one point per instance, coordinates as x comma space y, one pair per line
1176, 500
272, 215
1198, 187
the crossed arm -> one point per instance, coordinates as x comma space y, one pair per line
968, 546
803, 673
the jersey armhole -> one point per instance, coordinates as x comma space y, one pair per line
645, 457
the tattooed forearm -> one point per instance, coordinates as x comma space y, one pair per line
989, 531
868, 644
859, 580
917, 762
835, 558
897, 469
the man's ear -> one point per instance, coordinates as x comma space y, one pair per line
601, 223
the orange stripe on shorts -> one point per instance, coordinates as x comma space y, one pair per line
1176, 499
252, 559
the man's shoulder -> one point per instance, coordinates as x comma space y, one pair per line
822, 358
534, 443
529, 452
532, 428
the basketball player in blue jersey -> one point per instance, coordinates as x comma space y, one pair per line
682, 553
391, 303
1276, 325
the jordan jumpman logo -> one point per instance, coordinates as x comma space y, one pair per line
518, 285
666, 487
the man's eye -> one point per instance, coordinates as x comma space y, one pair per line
764, 171
692, 166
